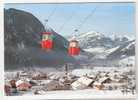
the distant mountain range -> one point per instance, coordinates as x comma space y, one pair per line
95, 39
103, 49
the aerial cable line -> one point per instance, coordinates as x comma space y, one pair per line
50, 15
66, 22
85, 19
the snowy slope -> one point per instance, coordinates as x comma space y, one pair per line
106, 47
94, 39
104, 50
95, 50
129, 60
130, 45
101, 52
125, 50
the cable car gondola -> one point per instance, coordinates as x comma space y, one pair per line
47, 40
74, 48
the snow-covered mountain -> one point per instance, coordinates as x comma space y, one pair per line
123, 51
127, 61
96, 42
94, 39
103, 49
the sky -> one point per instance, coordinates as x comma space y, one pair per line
107, 18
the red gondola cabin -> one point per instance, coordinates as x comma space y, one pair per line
73, 49
47, 40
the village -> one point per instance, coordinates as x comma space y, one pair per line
39, 82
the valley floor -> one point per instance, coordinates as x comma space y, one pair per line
88, 92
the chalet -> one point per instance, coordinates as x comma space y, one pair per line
7, 89
39, 77
41, 92
92, 76
81, 83
54, 85
22, 85
23, 74
55, 76
12, 83
97, 85
105, 80
113, 86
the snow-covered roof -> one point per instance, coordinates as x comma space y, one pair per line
19, 82
81, 83
96, 83
85, 80
103, 79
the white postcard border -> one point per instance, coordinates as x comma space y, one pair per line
59, 97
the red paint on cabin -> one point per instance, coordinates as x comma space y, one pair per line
47, 41
73, 49
47, 44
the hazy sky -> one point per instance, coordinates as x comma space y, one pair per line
108, 18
